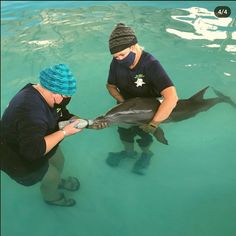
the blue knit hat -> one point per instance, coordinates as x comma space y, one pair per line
58, 79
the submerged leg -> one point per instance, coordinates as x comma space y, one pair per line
143, 162
114, 158
127, 139
49, 184
51, 181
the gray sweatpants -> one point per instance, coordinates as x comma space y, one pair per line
51, 180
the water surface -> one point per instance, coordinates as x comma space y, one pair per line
189, 188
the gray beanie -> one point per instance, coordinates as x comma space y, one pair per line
121, 38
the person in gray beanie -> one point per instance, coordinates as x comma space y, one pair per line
122, 37
136, 73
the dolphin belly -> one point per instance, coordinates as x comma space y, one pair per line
134, 117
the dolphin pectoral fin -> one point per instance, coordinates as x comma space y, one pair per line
160, 136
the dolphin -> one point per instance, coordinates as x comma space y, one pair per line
188, 108
138, 111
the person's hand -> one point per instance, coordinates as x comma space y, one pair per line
70, 128
150, 127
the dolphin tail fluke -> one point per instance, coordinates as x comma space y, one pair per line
224, 98
199, 95
160, 136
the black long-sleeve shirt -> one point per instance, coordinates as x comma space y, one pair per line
26, 121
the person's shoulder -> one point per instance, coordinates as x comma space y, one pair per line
27, 89
150, 60
113, 61
29, 96
116, 67
29, 92
20, 95
113, 64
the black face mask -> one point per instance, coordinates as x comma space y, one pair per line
63, 103
128, 60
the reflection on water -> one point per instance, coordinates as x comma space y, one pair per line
64, 24
207, 26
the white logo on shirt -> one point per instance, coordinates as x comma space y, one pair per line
139, 82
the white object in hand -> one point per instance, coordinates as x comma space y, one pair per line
81, 123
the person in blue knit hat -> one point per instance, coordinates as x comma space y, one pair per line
30, 135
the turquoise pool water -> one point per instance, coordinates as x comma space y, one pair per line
190, 186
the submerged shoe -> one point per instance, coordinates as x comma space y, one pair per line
142, 163
69, 184
114, 158
62, 201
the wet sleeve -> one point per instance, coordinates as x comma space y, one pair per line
158, 77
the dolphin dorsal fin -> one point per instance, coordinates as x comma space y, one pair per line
199, 95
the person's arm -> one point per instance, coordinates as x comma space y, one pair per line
53, 139
113, 90
169, 102
161, 85
33, 144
